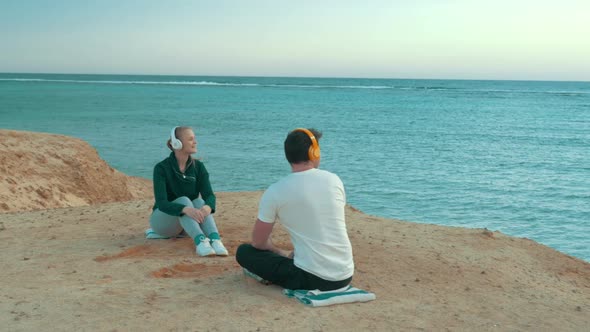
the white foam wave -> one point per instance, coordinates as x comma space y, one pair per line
128, 82
301, 86
205, 83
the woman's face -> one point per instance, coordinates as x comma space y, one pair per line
189, 141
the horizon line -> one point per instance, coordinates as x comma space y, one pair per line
312, 77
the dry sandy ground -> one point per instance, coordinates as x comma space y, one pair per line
89, 267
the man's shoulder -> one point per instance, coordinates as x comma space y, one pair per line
279, 183
328, 174
278, 186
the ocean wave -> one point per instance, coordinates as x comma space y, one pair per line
205, 83
303, 86
210, 83
127, 82
550, 92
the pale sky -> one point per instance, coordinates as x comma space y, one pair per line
448, 39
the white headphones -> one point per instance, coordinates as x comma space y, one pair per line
175, 142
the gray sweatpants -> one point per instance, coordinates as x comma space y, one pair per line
168, 225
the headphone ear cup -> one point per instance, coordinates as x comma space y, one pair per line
314, 154
176, 144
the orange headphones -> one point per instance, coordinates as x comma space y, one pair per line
314, 150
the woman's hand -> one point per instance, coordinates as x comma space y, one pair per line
196, 214
206, 210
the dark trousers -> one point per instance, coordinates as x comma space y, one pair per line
282, 271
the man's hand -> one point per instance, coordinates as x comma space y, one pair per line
283, 252
261, 239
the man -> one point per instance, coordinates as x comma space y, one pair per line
309, 203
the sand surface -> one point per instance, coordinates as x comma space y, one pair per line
76, 259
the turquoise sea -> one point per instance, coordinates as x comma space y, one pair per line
512, 156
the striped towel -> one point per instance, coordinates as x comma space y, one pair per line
317, 298
150, 234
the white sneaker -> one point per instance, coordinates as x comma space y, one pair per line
219, 248
204, 248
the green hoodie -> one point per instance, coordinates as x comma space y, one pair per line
170, 183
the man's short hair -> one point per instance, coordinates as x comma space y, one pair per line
297, 145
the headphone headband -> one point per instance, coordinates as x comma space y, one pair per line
314, 150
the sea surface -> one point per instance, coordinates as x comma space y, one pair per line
512, 156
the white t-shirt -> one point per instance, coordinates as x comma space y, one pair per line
310, 204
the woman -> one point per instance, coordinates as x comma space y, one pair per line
178, 181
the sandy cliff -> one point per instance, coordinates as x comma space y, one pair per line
44, 171
80, 262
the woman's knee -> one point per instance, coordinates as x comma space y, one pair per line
198, 203
184, 201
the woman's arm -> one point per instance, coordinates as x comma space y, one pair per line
161, 196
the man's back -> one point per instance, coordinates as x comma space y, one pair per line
310, 204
